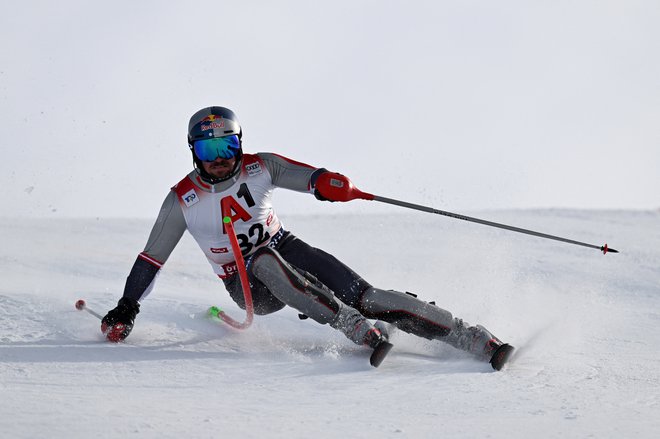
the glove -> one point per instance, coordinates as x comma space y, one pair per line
118, 323
320, 197
331, 186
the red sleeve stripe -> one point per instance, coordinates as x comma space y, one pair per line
150, 260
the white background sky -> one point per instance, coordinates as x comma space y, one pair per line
459, 105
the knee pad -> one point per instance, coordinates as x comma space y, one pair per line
300, 291
406, 312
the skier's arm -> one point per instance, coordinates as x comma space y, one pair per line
301, 177
164, 236
289, 174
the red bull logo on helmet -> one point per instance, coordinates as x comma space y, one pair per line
212, 122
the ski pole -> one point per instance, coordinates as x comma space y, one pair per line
245, 283
604, 248
82, 306
343, 188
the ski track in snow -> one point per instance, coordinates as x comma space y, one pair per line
586, 326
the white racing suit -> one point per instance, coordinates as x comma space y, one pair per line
282, 269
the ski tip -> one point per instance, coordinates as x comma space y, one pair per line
379, 353
501, 356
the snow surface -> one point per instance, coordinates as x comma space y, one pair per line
586, 325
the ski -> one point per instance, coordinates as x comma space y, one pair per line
379, 353
376, 358
501, 356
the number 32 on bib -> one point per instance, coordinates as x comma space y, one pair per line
256, 234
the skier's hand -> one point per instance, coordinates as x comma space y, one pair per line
332, 186
118, 323
320, 197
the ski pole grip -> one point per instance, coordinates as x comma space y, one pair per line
337, 187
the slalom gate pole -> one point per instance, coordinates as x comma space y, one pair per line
342, 189
82, 306
245, 283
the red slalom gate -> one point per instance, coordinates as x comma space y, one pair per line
242, 272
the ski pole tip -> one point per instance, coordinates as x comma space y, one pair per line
605, 249
80, 304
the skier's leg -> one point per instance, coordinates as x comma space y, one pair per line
263, 300
344, 283
417, 317
302, 291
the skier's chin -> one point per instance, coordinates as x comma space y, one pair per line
220, 168
220, 173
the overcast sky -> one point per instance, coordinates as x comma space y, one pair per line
461, 105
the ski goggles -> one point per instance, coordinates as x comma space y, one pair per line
210, 149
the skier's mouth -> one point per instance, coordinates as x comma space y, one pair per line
220, 165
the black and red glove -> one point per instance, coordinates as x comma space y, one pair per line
118, 323
332, 186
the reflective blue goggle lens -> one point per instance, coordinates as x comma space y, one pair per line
210, 149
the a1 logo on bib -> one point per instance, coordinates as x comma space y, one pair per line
253, 169
190, 198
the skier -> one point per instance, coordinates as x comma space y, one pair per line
282, 269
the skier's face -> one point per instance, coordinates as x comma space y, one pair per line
219, 168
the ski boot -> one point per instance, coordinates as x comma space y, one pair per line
480, 342
360, 330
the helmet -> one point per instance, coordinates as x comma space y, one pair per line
213, 122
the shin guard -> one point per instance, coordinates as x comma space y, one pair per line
406, 312
293, 288
423, 319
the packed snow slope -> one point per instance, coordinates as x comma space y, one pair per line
587, 327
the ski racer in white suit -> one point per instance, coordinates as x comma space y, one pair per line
282, 269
